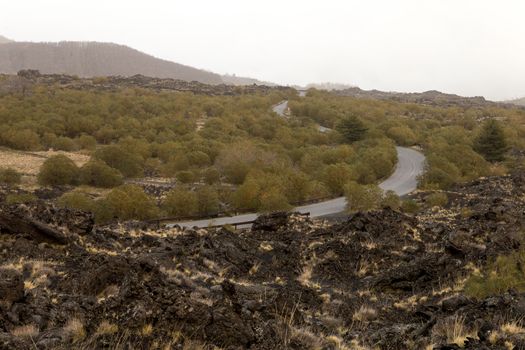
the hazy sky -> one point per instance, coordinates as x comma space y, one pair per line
469, 47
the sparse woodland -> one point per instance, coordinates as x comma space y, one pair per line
232, 153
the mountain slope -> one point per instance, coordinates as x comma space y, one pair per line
88, 59
518, 101
4, 40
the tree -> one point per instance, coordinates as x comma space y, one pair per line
491, 142
362, 197
208, 200
180, 202
98, 174
58, 170
352, 128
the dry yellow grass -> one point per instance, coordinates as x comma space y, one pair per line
27, 331
29, 163
147, 330
512, 328
106, 328
364, 314
74, 329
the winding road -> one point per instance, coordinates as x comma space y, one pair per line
403, 181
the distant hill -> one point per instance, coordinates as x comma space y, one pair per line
519, 101
92, 59
4, 40
235, 80
432, 97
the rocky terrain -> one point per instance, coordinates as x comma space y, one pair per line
378, 280
432, 98
519, 101
25, 79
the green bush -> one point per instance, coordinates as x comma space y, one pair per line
20, 198
437, 199
76, 200
208, 200
180, 202
335, 177
185, 176
391, 200
273, 200
362, 197
10, 177
86, 142
410, 206
129, 164
212, 176
129, 202
98, 174
64, 144
58, 170
498, 276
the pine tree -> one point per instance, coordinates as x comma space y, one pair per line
352, 128
491, 143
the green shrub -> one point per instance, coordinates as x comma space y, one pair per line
129, 164
273, 200
335, 176
10, 177
86, 142
58, 170
208, 200
180, 202
391, 200
20, 198
410, 206
64, 144
185, 176
129, 202
212, 176
362, 197
76, 200
175, 164
498, 276
98, 174
437, 199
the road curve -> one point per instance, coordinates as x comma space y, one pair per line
403, 181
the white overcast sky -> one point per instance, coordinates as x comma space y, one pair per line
468, 47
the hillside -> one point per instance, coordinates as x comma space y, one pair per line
91, 59
433, 98
4, 40
518, 102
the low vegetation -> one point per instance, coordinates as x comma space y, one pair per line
234, 154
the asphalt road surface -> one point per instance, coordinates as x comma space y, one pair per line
403, 181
